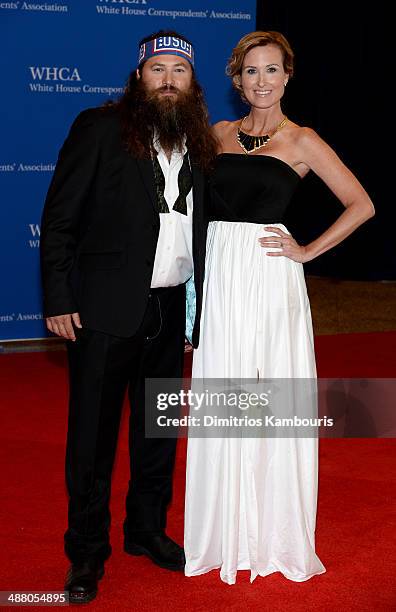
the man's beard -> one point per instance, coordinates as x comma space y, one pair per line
168, 117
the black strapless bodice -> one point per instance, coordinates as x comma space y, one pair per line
252, 189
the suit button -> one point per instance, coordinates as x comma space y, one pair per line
155, 226
149, 263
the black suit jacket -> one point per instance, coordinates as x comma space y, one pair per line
100, 228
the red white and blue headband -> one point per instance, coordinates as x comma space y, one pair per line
163, 45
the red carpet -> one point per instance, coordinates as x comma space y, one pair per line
356, 515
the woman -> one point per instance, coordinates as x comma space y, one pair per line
251, 503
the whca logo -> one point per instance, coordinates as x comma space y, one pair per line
54, 73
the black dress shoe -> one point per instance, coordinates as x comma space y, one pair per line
159, 548
82, 581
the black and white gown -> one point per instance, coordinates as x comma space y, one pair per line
251, 503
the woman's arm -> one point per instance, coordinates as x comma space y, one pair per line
319, 157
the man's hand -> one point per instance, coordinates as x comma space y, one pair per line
62, 325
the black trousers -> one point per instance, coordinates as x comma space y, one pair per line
101, 369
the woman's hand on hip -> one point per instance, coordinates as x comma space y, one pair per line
288, 247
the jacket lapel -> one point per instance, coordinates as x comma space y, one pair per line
146, 172
198, 191
198, 208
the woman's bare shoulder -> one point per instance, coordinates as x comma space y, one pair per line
222, 128
303, 135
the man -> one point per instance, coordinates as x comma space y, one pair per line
122, 231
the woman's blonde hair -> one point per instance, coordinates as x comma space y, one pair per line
258, 39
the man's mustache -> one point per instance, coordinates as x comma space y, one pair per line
167, 88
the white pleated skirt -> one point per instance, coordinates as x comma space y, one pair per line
251, 502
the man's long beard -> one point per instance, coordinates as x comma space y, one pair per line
169, 118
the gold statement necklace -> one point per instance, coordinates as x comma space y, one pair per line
251, 143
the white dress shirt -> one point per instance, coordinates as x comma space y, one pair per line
173, 263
